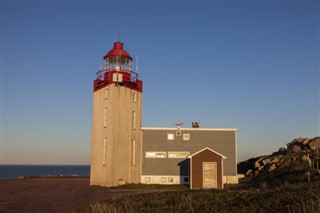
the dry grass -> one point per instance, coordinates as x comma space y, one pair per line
294, 198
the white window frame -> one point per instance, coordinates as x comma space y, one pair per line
178, 154
155, 154
170, 136
147, 179
186, 136
163, 179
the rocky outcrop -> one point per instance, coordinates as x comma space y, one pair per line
299, 149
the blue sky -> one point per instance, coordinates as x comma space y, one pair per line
251, 65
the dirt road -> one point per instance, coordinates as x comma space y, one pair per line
55, 195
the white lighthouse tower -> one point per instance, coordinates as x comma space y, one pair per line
116, 121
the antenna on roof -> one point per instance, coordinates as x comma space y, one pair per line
137, 64
178, 124
118, 36
178, 131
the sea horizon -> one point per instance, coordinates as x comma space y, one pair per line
22, 164
13, 171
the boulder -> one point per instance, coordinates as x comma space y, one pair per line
275, 159
305, 157
260, 168
306, 141
258, 163
248, 172
272, 167
252, 163
315, 143
282, 151
294, 148
266, 160
299, 140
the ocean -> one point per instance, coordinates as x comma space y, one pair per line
15, 171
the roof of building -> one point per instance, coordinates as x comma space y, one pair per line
195, 129
207, 148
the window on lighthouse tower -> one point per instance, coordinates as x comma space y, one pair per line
133, 154
134, 96
133, 120
105, 117
104, 151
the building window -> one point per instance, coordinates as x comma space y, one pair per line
133, 152
170, 136
105, 117
104, 151
186, 136
134, 96
163, 179
155, 154
170, 179
133, 120
186, 180
106, 93
178, 154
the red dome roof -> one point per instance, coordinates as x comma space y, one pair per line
118, 51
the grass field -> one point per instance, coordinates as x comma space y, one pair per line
303, 197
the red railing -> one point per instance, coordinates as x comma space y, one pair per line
103, 75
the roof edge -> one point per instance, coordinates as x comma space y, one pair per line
190, 156
190, 129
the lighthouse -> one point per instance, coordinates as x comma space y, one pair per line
116, 121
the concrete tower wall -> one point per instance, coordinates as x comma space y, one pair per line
116, 136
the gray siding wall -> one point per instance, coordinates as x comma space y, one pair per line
221, 141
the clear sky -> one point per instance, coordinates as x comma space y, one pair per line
251, 65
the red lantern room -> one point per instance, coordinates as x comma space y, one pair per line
117, 59
117, 69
